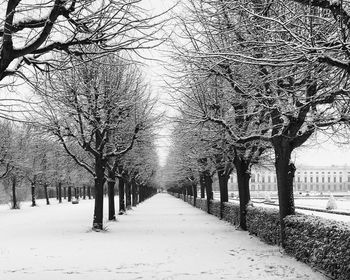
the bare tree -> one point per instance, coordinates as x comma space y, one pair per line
91, 111
33, 32
269, 57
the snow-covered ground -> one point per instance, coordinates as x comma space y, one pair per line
343, 205
162, 238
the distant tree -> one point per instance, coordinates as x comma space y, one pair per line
6, 138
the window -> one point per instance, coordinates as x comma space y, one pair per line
335, 179
317, 179
298, 179
311, 179
340, 179
329, 179
323, 180
305, 179
269, 179
253, 178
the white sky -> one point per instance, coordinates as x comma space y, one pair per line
155, 73
323, 154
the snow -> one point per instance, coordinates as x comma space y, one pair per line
319, 203
343, 205
162, 238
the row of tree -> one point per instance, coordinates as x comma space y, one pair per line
90, 96
31, 163
100, 112
255, 80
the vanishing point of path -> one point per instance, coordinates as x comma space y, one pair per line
162, 238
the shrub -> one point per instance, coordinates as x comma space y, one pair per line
321, 243
264, 223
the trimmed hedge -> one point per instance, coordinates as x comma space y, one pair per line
231, 213
264, 223
321, 243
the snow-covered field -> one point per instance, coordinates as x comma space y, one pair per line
162, 238
343, 205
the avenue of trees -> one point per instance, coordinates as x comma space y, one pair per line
97, 111
93, 123
91, 120
254, 80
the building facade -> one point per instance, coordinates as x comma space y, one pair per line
317, 179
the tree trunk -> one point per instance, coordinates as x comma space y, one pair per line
121, 187
135, 198
111, 194
202, 184
59, 188
142, 193
128, 194
99, 187
194, 191
84, 192
89, 192
65, 192
46, 194
223, 186
69, 194
14, 196
56, 192
208, 189
243, 177
285, 174
33, 194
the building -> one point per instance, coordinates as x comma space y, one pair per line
318, 179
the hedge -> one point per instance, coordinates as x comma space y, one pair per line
321, 243
264, 223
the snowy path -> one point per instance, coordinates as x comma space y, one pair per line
162, 238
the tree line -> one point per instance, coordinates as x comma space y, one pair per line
254, 80
92, 115
92, 124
